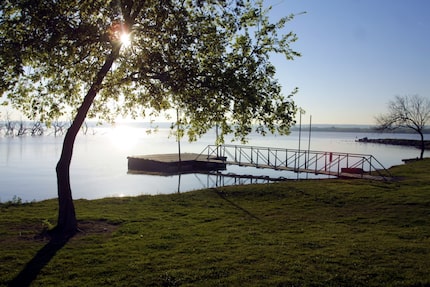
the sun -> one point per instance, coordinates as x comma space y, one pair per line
119, 33
125, 39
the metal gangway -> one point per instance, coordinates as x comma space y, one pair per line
338, 164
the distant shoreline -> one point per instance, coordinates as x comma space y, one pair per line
346, 128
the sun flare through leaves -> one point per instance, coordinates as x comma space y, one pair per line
119, 33
125, 39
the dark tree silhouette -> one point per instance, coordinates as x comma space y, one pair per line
412, 112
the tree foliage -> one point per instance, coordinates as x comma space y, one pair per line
412, 112
210, 59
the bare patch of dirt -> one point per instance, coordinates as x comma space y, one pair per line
39, 232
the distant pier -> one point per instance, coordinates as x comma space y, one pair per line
399, 142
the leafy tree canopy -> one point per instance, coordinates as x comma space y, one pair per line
210, 59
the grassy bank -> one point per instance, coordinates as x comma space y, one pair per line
306, 233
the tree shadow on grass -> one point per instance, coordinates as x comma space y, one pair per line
35, 265
223, 196
57, 241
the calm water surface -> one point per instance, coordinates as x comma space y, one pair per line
99, 165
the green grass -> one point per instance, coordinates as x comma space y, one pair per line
298, 233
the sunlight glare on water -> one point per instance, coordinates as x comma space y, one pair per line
123, 137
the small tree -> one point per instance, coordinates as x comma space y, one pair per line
412, 112
210, 59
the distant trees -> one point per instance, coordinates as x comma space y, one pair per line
20, 128
412, 112
210, 59
11, 128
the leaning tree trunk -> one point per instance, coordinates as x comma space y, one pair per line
422, 145
67, 223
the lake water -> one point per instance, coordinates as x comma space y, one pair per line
99, 165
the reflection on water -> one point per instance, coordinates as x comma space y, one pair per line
99, 165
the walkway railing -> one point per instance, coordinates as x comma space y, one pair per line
318, 162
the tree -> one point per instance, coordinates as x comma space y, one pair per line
208, 58
411, 112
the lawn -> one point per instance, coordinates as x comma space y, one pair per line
295, 233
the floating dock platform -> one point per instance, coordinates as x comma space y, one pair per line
168, 164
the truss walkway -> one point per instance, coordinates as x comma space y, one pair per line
346, 165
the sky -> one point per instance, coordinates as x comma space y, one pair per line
357, 55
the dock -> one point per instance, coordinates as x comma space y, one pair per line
166, 164
217, 157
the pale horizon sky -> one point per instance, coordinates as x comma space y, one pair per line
356, 56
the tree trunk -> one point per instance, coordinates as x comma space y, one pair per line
422, 145
67, 224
